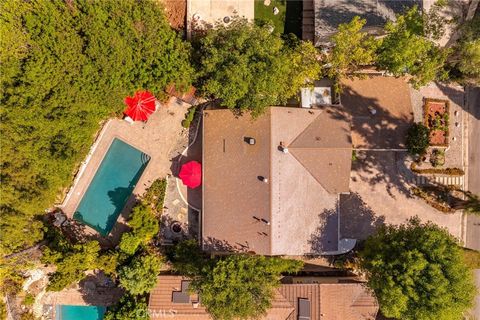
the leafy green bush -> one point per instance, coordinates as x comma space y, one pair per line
67, 65
189, 117
418, 139
140, 275
250, 68
155, 195
29, 299
417, 272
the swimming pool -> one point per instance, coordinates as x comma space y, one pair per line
112, 185
69, 312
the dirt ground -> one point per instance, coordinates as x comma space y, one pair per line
176, 11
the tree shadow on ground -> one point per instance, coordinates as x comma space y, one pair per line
377, 133
98, 289
357, 219
211, 244
325, 237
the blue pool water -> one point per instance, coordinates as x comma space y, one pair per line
111, 186
66, 312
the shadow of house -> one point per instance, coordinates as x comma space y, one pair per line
357, 219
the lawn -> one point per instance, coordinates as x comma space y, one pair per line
265, 13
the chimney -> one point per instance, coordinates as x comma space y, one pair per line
251, 141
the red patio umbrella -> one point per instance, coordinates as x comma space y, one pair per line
140, 106
191, 174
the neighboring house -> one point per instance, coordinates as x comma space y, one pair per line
329, 14
304, 301
271, 184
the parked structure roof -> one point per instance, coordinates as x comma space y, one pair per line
266, 197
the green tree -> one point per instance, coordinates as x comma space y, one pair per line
467, 53
418, 139
128, 308
188, 259
250, 68
71, 265
66, 66
408, 48
352, 49
140, 275
241, 286
144, 227
417, 272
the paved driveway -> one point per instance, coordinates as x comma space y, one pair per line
380, 194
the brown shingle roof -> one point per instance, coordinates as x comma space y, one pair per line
316, 167
328, 301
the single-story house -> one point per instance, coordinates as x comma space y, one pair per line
304, 300
271, 184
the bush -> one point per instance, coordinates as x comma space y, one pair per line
418, 139
155, 195
29, 300
189, 117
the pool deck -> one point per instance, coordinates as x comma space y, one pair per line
159, 138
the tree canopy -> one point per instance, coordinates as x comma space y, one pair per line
67, 65
352, 49
128, 308
250, 68
140, 275
144, 227
408, 47
417, 272
468, 51
241, 286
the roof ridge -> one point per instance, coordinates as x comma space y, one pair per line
305, 129
306, 168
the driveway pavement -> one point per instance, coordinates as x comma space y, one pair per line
380, 194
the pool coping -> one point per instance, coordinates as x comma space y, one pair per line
83, 168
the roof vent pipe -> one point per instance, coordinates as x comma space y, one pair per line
266, 222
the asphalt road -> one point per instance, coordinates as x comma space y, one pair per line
473, 221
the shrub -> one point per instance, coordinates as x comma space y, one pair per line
29, 300
155, 195
129, 243
418, 139
189, 117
